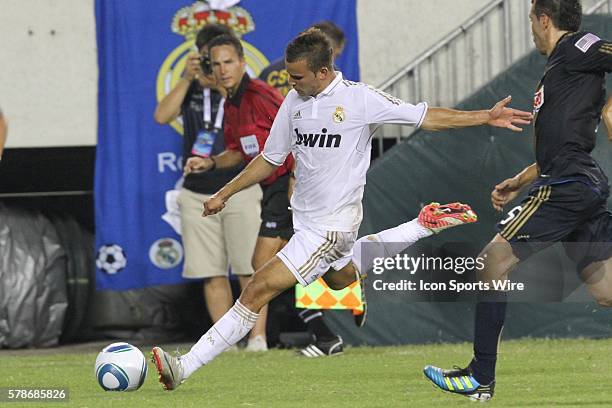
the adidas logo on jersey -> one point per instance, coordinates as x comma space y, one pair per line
318, 139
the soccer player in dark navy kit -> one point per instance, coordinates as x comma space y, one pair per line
568, 190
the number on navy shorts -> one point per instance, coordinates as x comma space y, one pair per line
511, 215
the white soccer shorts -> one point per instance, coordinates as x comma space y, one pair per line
310, 253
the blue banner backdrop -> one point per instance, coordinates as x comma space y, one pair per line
141, 53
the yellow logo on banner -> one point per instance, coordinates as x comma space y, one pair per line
318, 295
187, 22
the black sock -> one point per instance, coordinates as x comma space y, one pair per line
315, 323
490, 316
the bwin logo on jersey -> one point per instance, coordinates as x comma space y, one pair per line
318, 139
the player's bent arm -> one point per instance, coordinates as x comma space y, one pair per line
170, 106
256, 171
527, 176
607, 117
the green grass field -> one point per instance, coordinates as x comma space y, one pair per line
532, 373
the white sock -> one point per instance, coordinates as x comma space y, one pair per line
233, 326
387, 243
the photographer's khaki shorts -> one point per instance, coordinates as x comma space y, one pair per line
214, 243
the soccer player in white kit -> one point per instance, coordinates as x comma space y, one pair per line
327, 124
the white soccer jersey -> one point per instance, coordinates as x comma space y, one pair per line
330, 137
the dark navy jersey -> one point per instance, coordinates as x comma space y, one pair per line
276, 76
567, 108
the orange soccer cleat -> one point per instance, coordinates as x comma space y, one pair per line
438, 217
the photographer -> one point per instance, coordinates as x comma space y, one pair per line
211, 244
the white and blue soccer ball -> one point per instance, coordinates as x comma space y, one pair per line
120, 367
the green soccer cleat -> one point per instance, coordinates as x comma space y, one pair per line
168, 367
459, 381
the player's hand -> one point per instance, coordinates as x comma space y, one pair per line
213, 205
504, 117
505, 192
197, 165
193, 70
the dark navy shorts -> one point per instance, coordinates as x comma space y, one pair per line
276, 217
573, 212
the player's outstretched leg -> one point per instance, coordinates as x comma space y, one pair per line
227, 331
432, 219
460, 381
266, 284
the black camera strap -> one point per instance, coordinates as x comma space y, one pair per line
207, 112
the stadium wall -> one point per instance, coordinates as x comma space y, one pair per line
392, 33
49, 84
49, 72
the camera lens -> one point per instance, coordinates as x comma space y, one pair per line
205, 64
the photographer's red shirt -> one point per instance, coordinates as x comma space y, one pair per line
249, 115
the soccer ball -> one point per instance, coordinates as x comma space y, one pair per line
120, 367
111, 258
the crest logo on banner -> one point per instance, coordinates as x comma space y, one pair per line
166, 253
187, 22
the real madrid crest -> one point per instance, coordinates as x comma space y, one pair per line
339, 115
187, 22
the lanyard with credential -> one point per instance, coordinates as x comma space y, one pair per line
207, 114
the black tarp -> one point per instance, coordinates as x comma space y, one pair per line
33, 293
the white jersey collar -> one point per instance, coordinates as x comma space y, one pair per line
328, 90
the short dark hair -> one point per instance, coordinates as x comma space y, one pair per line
331, 30
566, 15
313, 46
209, 32
227, 39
